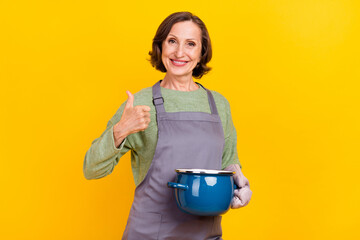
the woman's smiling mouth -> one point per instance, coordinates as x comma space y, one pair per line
179, 63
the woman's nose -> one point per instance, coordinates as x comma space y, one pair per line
179, 51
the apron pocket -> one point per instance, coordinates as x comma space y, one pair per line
144, 225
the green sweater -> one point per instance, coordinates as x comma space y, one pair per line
103, 155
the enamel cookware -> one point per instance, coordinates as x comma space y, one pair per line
203, 192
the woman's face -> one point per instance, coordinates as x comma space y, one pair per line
181, 50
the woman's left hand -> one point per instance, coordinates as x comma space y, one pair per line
243, 195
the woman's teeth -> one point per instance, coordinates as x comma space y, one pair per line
179, 62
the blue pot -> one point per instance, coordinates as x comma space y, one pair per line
203, 192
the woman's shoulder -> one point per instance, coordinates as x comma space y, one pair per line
220, 99
218, 96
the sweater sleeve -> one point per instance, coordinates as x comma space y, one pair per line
230, 154
103, 155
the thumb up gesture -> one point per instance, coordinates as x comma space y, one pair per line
133, 119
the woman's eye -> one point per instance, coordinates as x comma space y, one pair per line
171, 41
192, 44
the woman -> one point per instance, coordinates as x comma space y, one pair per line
177, 123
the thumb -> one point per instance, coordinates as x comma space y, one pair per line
130, 100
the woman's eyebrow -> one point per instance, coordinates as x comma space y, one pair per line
172, 35
186, 39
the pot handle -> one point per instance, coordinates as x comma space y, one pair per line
178, 185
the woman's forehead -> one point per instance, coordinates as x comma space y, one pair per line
185, 30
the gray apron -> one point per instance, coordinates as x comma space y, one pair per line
185, 140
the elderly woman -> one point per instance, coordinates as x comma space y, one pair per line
177, 123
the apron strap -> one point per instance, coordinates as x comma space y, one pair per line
158, 100
211, 100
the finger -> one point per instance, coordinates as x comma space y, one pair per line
237, 192
146, 121
241, 198
243, 181
236, 202
247, 184
145, 108
145, 126
144, 117
130, 100
142, 108
147, 115
245, 195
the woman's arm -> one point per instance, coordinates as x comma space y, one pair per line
103, 155
231, 162
230, 154
105, 151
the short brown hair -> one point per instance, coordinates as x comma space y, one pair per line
163, 31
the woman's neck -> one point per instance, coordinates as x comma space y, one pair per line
183, 83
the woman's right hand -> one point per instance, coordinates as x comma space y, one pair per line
133, 119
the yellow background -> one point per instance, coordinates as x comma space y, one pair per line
290, 70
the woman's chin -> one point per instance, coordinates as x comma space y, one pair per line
179, 73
